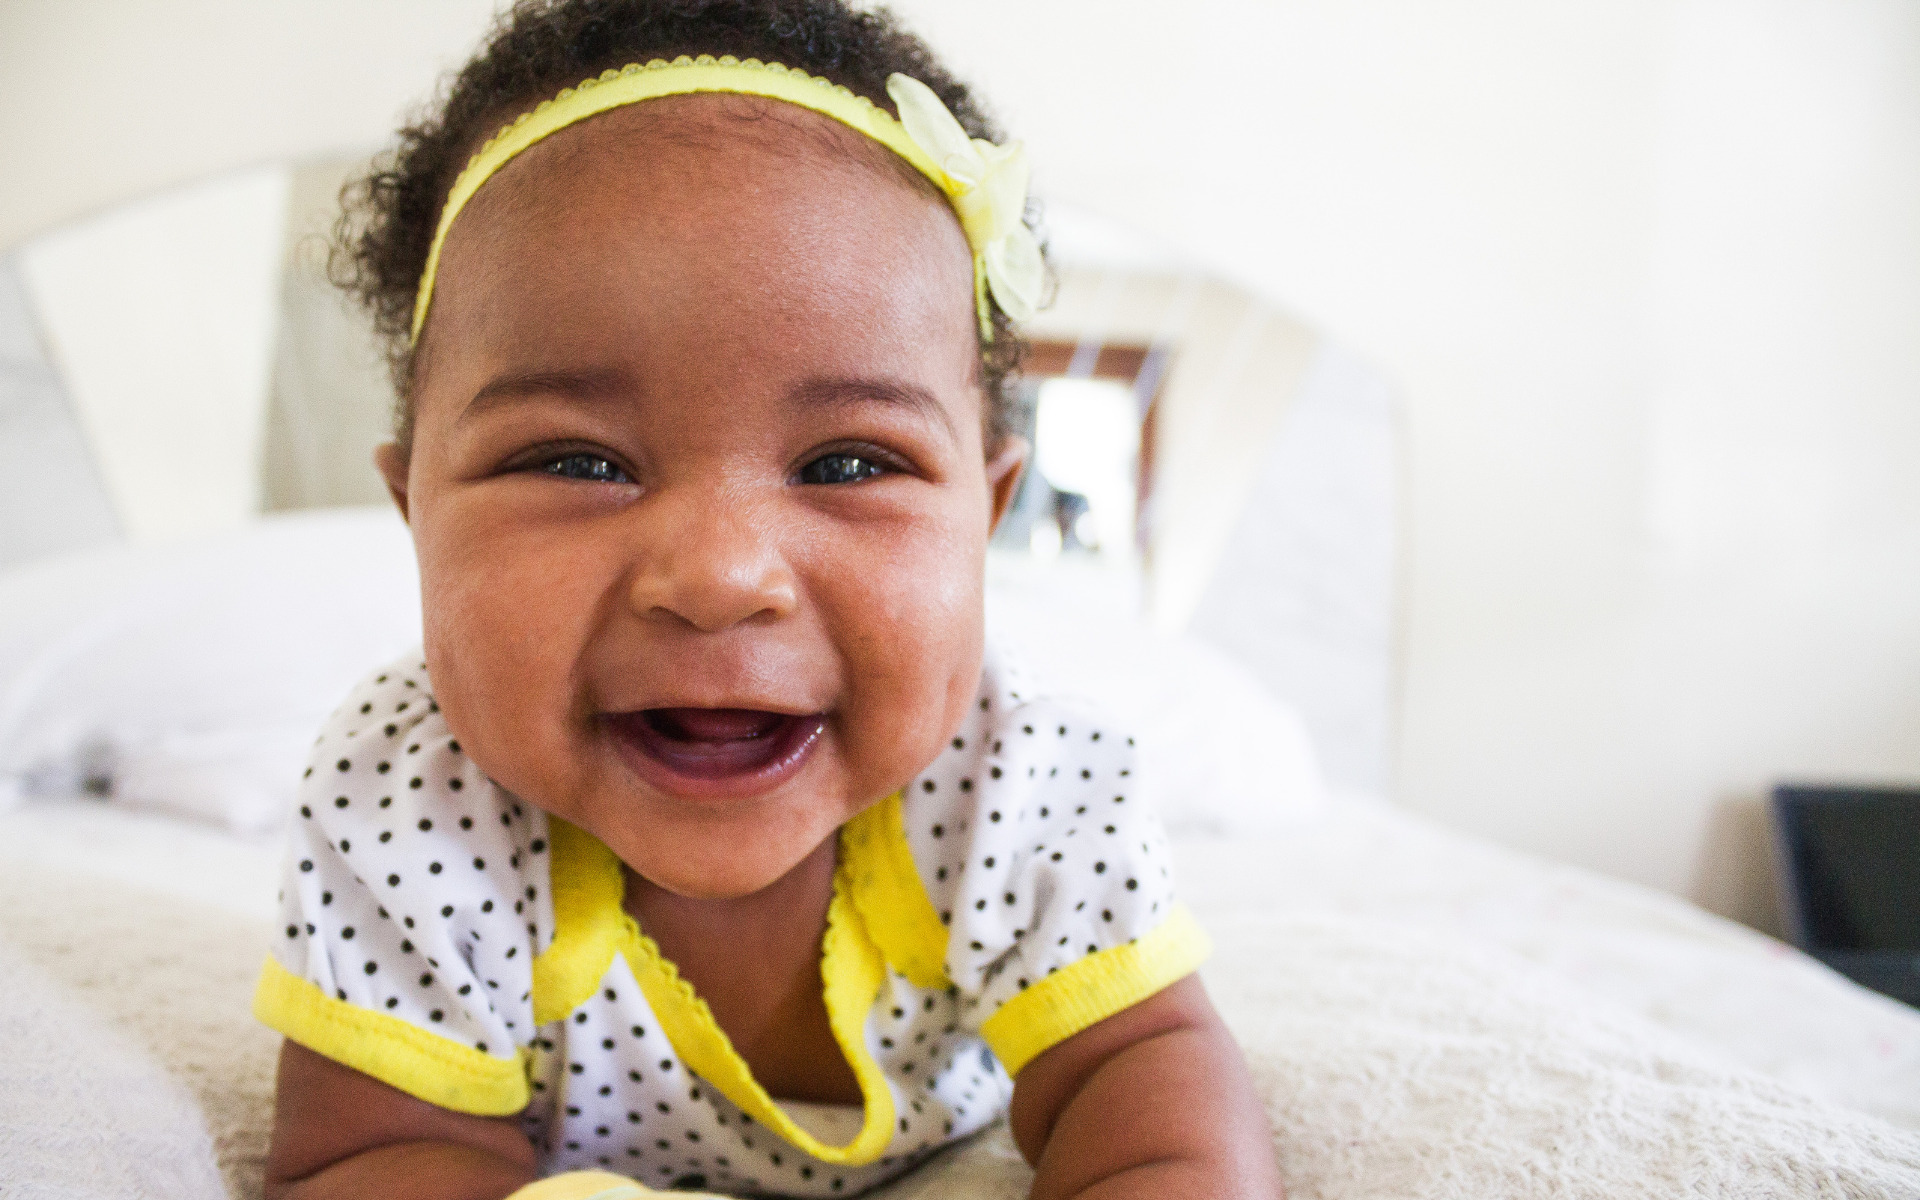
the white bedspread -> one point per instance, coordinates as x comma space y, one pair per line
1426, 1016
1626, 949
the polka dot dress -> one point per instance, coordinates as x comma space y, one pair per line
419, 891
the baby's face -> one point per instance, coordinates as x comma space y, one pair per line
698, 483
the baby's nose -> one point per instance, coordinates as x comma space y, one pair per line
715, 568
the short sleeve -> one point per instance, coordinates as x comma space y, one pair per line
413, 906
1049, 871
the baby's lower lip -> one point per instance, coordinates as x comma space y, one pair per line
714, 752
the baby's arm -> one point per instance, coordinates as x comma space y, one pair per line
339, 1133
1155, 1101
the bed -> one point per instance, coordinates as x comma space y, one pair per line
1427, 1015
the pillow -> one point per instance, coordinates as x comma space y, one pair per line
1219, 753
192, 677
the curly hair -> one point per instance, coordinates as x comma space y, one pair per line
537, 47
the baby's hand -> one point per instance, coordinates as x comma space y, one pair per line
1154, 1101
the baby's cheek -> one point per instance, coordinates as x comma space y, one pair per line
913, 637
503, 630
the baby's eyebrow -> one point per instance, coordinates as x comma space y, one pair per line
887, 392
588, 385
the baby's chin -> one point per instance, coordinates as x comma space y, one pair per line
706, 870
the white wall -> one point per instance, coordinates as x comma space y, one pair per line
1650, 273
108, 100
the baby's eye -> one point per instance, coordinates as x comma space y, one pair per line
840, 468
590, 468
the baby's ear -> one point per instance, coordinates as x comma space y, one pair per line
392, 460
1004, 470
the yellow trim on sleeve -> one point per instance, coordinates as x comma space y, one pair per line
886, 888
421, 1064
1093, 989
591, 925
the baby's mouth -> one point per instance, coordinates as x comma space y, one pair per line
715, 750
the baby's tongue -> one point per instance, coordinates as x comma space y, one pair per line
717, 744
713, 724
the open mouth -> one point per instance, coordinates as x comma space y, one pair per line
715, 750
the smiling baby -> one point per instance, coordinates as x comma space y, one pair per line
707, 845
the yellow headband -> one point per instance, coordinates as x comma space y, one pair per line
985, 183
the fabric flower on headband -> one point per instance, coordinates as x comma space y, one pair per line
989, 193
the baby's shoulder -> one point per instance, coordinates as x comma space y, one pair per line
388, 783
1032, 840
416, 889
1033, 776
1026, 754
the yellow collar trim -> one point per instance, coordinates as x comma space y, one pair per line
986, 184
591, 926
886, 888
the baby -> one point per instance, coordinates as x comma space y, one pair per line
706, 845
